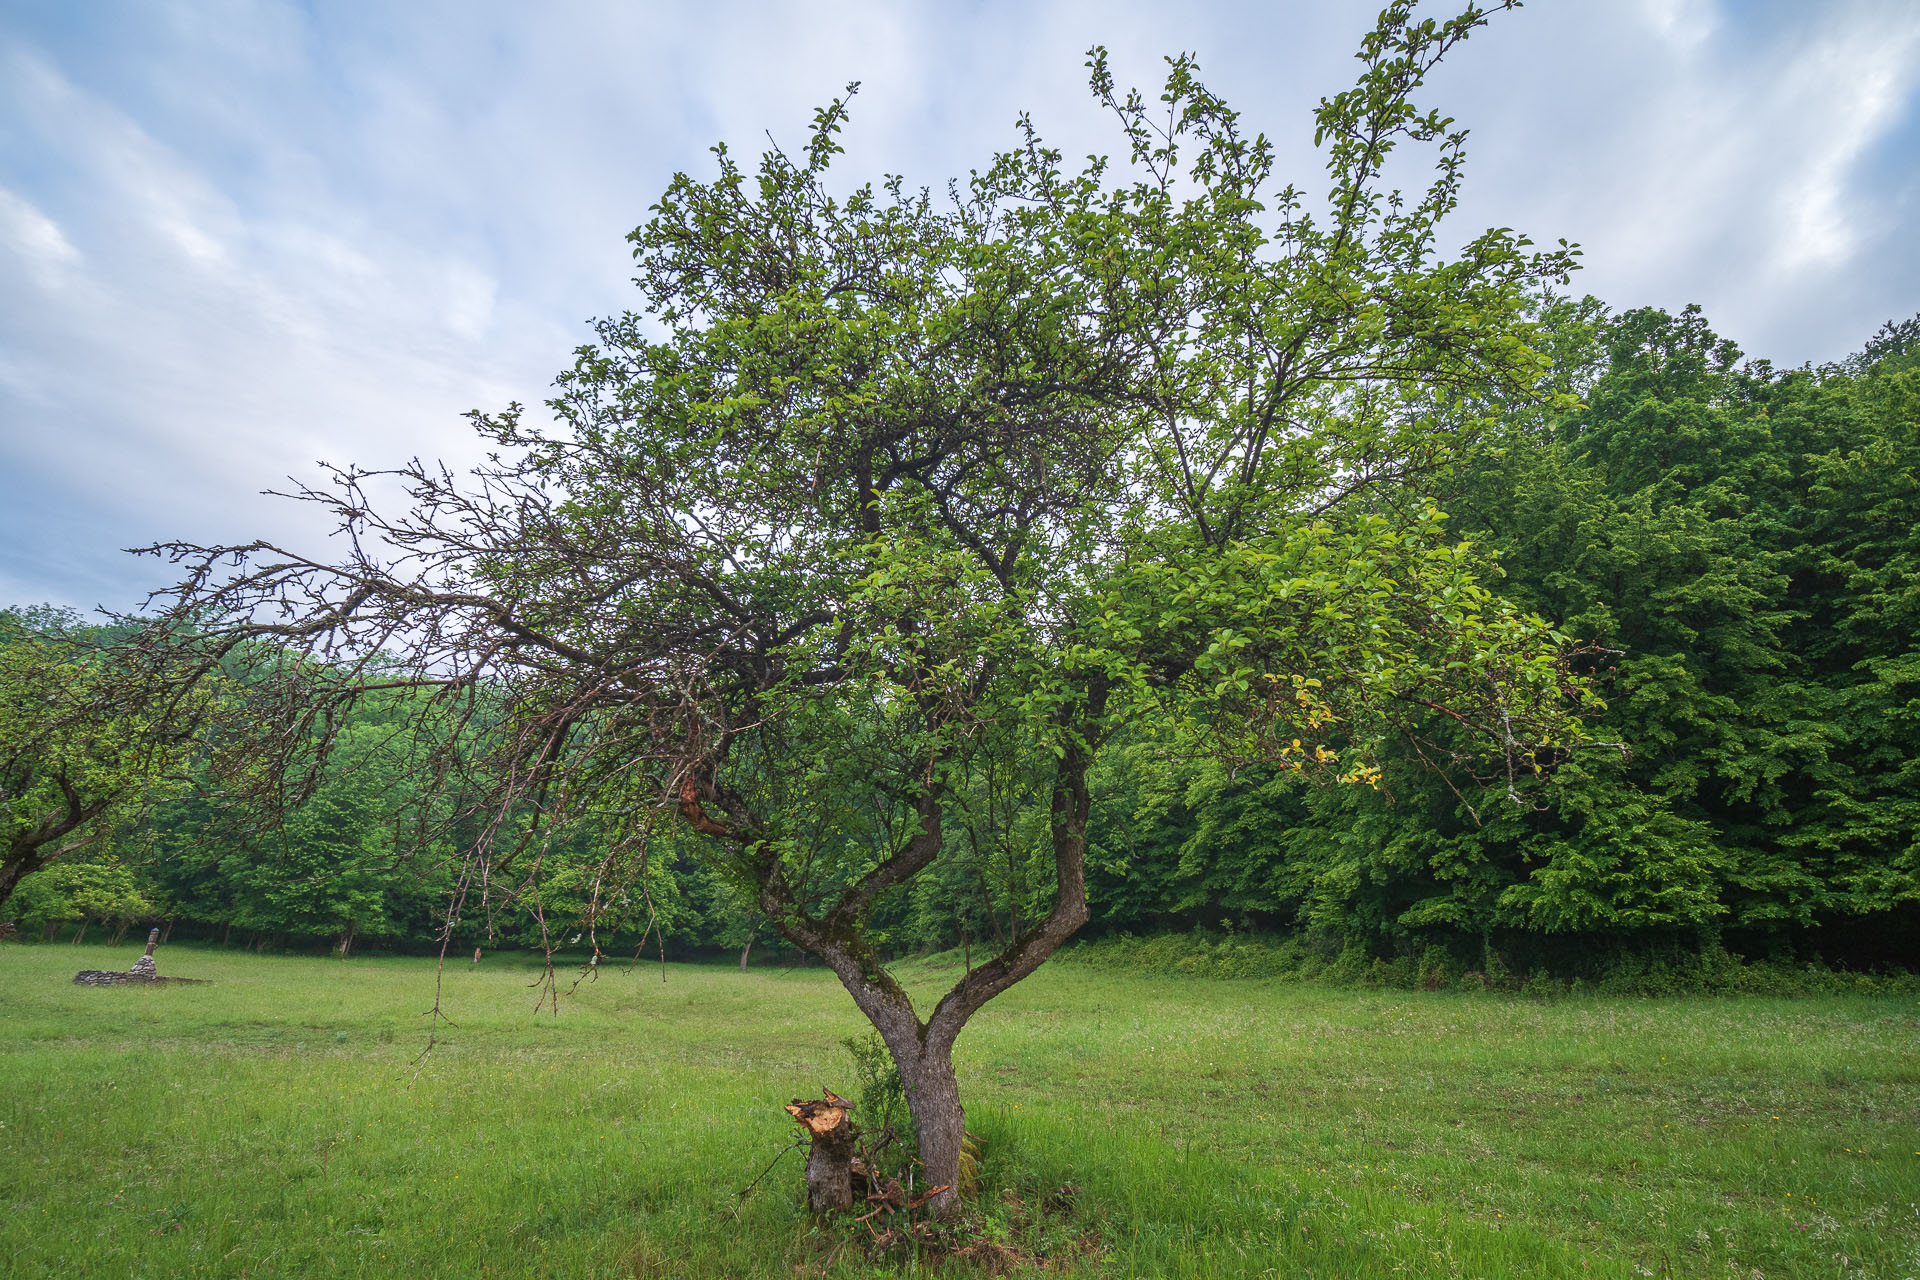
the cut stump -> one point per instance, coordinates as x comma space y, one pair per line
830, 1157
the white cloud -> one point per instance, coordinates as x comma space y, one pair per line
35, 238
1837, 99
1711, 157
235, 238
1682, 23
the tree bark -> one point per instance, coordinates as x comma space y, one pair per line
745, 952
830, 1155
923, 1051
939, 1121
83, 932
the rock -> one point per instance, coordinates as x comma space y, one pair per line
143, 972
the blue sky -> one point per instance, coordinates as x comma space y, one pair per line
241, 236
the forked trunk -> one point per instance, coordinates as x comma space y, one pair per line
923, 1051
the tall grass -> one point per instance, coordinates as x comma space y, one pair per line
276, 1123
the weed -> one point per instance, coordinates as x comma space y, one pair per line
880, 1096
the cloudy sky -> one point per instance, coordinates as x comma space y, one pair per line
241, 236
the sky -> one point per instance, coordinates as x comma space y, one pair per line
242, 237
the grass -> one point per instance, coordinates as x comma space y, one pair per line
273, 1124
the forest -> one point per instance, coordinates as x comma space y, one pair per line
1737, 544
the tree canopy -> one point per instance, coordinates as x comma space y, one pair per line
90, 732
850, 550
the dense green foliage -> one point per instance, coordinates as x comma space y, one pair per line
90, 734
1747, 540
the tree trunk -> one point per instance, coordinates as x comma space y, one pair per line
923, 1051
226, 934
83, 932
830, 1155
53, 930
345, 945
119, 932
933, 1099
18, 863
745, 952
166, 932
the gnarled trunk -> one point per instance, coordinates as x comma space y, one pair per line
933, 1099
923, 1051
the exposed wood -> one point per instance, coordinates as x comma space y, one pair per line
830, 1155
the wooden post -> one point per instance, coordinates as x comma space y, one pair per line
143, 967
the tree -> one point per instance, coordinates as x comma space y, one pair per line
90, 729
851, 551
84, 890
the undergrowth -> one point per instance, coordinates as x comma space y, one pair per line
1702, 968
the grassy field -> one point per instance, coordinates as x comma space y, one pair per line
272, 1124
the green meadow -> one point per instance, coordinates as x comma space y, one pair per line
281, 1121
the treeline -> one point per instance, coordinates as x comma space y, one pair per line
1747, 541
1739, 544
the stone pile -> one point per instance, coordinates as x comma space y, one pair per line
143, 972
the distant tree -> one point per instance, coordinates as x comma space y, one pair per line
1892, 341
852, 552
90, 731
94, 889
